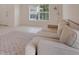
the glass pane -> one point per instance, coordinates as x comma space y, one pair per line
44, 8
34, 16
44, 16
33, 8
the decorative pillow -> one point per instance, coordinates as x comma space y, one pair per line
60, 27
68, 35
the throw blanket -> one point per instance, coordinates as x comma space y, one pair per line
14, 42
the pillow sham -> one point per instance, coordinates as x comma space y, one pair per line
76, 43
68, 36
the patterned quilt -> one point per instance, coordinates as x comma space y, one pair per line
14, 42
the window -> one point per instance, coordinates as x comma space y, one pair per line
39, 12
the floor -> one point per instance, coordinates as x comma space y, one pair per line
28, 29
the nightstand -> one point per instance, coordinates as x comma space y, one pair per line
52, 28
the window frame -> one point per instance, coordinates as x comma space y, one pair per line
30, 19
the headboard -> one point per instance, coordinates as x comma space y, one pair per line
73, 24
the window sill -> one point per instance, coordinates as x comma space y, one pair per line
38, 20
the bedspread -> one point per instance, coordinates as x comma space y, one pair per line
13, 43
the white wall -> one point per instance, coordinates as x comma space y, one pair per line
54, 17
9, 14
71, 11
6, 14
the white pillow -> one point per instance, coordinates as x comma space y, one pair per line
68, 36
31, 47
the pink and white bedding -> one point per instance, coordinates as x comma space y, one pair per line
14, 42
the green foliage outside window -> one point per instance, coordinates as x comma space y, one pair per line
44, 8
